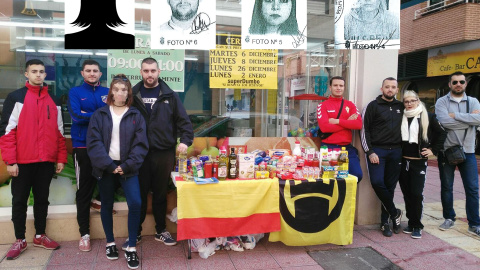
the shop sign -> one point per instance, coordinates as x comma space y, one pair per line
460, 57
274, 25
232, 67
128, 62
196, 30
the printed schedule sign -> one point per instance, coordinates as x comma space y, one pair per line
232, 67
128, 62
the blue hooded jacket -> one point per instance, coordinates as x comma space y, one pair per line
133, 142
86, 98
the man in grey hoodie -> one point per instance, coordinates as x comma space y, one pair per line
460, 120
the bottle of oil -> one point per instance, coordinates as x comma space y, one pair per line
222, 165
182, 163
343, 163
232, 164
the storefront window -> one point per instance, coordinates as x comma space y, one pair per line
35, 29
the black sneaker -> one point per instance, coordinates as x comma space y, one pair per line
396, 222
112, 252
166, 238
385, 228
125, 245
417, 233
132, 259
407, 230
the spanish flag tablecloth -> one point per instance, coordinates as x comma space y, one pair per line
317, 211
231, 207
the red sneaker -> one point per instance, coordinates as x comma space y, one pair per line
17, 248
45, 242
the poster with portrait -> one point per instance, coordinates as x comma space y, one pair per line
367, 24
279, 24
88, 26
183, 24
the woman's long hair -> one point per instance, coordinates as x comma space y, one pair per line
423, 115
259, 25
92, 13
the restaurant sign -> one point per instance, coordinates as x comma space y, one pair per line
463, 57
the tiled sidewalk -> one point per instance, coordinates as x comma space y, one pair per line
455, 249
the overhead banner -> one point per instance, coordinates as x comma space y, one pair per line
183, 24
128, 62
316, 212
89, 26
463, 57
232, 67
367, 25
274, 24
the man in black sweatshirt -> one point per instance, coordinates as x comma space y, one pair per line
381, 139
166, 120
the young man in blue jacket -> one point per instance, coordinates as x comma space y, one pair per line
83, 101
166, 120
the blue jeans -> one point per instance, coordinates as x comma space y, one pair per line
353, 160
469, 173
384, 178
131, 189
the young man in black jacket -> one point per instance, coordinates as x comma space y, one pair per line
166, 120
382, 140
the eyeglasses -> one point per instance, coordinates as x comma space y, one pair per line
455, 82
408, 102
125, 79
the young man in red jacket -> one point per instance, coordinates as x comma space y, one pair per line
31, 142
340, 126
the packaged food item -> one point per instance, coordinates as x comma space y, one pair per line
246, 166
261, 174
278, 152
208, 168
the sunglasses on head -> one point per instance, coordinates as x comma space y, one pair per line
455, 82
125, 79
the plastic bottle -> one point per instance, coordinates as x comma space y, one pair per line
222, 165
208, 250
297, 151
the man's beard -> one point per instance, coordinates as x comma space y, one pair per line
457, 93
387, 97
183, 17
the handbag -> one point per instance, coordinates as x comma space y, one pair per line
455, 154
324, 135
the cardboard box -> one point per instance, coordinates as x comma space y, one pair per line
246, 166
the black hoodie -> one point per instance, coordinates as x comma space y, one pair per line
168, 119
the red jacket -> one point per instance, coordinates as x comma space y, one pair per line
32, 127
342, 133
